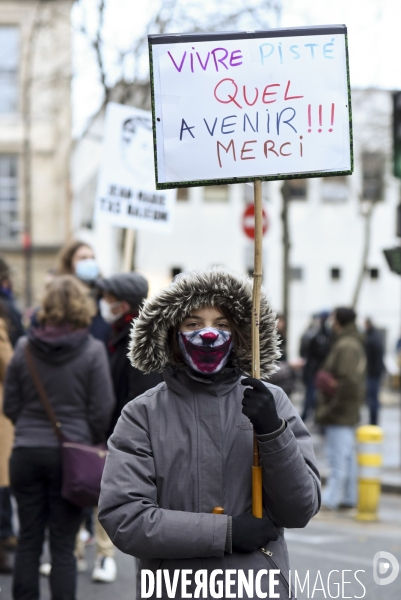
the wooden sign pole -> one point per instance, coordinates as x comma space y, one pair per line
257, 506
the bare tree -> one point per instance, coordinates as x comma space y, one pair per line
129, 80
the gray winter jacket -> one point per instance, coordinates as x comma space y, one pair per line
75, 373
185, 446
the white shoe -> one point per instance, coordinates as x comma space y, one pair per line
45, 569
105, 570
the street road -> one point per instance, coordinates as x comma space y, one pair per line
339, 542
328, 543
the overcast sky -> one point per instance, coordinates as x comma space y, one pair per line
373, 29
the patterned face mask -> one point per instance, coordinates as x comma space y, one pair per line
206, 350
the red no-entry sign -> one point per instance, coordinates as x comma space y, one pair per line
248, 221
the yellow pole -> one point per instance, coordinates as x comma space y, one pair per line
257, 504
370, 439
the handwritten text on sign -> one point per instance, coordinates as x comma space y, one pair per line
126, 194
249, 107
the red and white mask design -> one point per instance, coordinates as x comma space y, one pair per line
206, 350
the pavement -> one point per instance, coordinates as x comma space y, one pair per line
332, 555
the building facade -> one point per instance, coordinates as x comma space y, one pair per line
35, 138
327, 218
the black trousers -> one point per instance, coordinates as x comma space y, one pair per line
35, 475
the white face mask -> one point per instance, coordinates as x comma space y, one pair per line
106, 310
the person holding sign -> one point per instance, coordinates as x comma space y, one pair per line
182, 452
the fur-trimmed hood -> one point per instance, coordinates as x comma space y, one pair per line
149, 348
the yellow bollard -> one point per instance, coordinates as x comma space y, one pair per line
370, 439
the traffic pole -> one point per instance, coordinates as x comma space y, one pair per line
370, 440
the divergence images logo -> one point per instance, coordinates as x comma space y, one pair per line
381, 568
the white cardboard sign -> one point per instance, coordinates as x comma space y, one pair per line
251, 105
126, 194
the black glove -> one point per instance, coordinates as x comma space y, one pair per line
250, 533
259, 406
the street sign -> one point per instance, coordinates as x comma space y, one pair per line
248, 221
393, 257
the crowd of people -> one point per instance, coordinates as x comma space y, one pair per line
78, 338
189, 347
343, 369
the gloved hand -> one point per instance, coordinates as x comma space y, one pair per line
259, 406
250, 533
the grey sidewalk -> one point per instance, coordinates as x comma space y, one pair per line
390, 422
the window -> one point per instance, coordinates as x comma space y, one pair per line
296, 273
373, 273
9, 59
8, 197
335, 273
182, 194
334, 189
372, 176
298, 189
216, 193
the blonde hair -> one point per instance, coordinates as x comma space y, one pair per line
67, 300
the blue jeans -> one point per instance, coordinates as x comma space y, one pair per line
341, 486
372, 398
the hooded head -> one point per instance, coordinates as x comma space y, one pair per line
161, 316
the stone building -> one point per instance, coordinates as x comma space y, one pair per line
35, 137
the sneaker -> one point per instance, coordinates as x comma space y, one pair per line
45, 569
105, 570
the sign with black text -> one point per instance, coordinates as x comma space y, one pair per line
126, 194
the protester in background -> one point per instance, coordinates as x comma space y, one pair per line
6, 440
15, 328
74, 371
340, 394
185, 447
314, 350
122, 296
284, 378
375, 368
77, 258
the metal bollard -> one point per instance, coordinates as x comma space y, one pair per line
369, 439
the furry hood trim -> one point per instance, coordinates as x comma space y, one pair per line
149, 347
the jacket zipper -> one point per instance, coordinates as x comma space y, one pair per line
269, 556
100, 453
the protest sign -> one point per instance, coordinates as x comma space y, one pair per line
232, 107
126, 194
